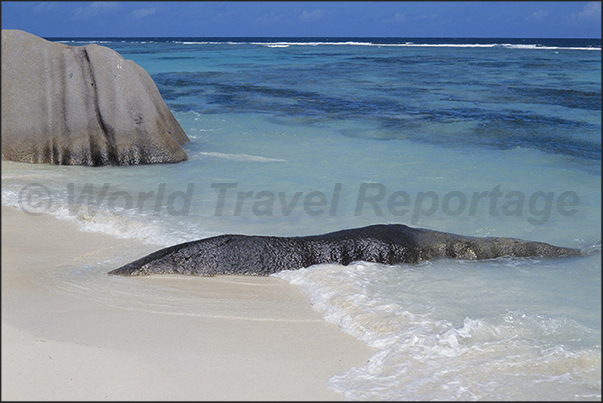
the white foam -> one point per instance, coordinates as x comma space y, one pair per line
406, 44
275, 45
241, 157
143, 227
422, 355
358, 43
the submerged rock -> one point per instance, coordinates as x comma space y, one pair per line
81, 105
387, 244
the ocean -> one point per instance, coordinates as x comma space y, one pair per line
303, 136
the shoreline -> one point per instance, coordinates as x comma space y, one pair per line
251, 338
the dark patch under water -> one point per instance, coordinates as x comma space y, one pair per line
398, 112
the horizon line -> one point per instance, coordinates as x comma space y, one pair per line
336, 37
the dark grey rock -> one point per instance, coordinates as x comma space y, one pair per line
81, 105
388, 244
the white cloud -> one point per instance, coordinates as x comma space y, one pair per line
94, 9
144, 12
312, 15
540, 14
590, 11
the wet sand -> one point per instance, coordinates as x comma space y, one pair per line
250, 338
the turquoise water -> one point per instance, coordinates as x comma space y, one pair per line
299, 137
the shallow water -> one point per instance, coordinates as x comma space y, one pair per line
298, 137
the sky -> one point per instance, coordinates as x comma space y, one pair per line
493, 19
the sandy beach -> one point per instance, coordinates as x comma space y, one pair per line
254, 338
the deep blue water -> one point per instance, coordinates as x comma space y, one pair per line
483, 82
537, 42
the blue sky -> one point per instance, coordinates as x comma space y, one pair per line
514, 19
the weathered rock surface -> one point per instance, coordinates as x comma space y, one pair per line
388, 244
81, 105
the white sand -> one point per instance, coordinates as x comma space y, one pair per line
256, 338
